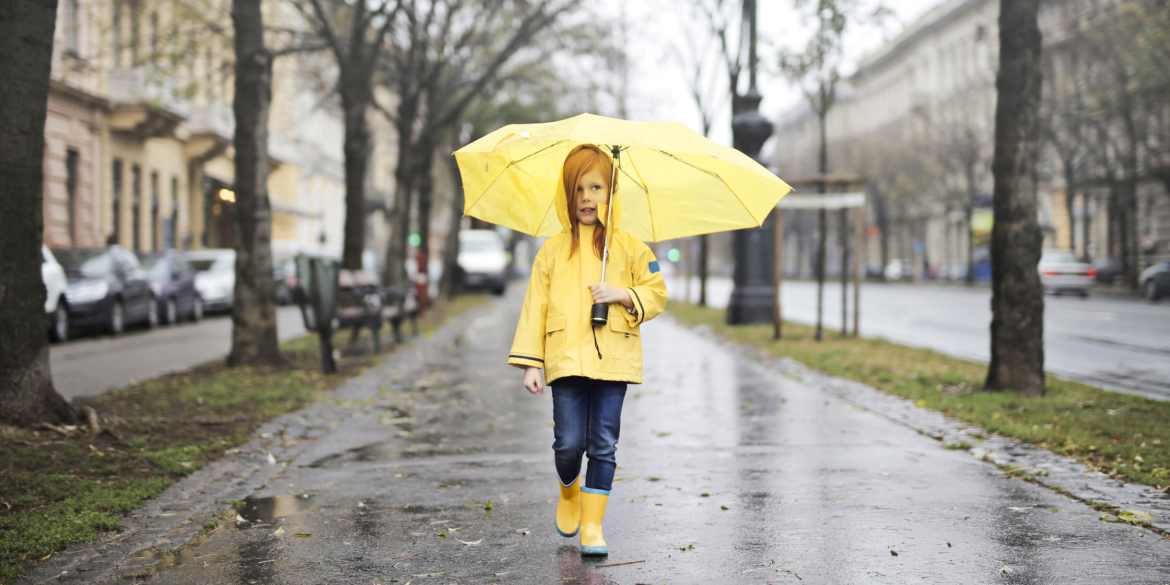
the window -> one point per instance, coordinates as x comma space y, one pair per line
117, 34
155, 232
71, 158
153, 37
71, 37
134, 10
117, 176
135, 198
174, 225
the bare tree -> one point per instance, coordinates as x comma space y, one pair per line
254, 305
27, 394
962, 153
1064, 128
816, 69
446, 54
1017, 299
355, 34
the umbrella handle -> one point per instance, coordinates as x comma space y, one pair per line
599, 315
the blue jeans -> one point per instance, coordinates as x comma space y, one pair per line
587, 417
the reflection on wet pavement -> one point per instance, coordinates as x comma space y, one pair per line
727, 473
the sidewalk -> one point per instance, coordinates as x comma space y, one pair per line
732, 470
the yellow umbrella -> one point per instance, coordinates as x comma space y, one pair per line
674, 182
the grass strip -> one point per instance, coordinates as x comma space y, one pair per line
1120, 434
58, 491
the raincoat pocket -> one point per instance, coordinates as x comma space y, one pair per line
625, 343
554, 343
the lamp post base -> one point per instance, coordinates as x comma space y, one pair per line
750, 304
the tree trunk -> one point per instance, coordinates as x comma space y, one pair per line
27, 394
1017, 299
704, 249
399, 220
969, 213
426, 191
357, 156
254, 303
448, 282
1086, 226
1070, 205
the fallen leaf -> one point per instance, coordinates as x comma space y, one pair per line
488, 506
948, 545
240, 519
704, 495
271, 459
361, 505
427, 575
893, 553
687, 547
442, 534
279, 530
303, 534
1005, 569
1054, 510
653, 479
724, 508
473, 542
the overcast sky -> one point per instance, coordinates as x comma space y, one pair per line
659, 88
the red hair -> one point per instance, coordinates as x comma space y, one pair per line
581, 160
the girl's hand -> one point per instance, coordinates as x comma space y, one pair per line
605, 293
533, 380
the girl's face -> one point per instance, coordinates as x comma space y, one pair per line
591, 191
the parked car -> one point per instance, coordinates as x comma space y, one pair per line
482, 260
285, 274
215, 277
1156, 281
56, 307
1061, 272
897, 270
172, 279
953, 271
107, 288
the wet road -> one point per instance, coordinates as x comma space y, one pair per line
90, 365
728, 473
1113, 342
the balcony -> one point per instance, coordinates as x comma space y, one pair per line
146, 103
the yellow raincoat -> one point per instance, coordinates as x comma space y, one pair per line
554, 331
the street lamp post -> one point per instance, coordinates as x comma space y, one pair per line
752, 297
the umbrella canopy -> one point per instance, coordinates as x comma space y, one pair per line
672, 182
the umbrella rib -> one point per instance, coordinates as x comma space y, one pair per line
737, 197
530, 155
649, 205
663, 152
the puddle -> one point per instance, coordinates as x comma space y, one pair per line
265, 510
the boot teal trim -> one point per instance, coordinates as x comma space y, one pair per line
593, 491
594, 551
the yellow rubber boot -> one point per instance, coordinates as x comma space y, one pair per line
592, 512
569, 509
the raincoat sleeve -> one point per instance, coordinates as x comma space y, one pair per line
528, 346
649, 290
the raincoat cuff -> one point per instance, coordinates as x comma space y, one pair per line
523, 361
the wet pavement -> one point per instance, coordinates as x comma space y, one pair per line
1109, 341
729, 472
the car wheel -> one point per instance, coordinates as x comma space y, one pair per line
117, 323
1151, 290
60, 331
152, 314
172, 315
499, 292
197, 310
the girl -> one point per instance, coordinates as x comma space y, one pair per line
587, 366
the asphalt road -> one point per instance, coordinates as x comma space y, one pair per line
729, 473
90, 365
1113, 342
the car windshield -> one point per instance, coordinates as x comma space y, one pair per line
476, 245
1059, 256
156, 266
218, 264
86, 263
